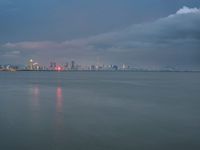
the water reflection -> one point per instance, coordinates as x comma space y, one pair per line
35, 93
59, 116
34, 104
59, 99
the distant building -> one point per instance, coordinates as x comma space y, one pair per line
33, 65
125, 67
36, 66
59, 68
8, 67
115, 67
66, 66
93, 67
73, 65
30, 64
52, 65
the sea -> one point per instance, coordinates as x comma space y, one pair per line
99, 110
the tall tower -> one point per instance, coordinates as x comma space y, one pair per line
30, 64
73, 65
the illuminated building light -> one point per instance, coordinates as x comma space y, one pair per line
59, 68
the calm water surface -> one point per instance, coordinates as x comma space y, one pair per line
99, 111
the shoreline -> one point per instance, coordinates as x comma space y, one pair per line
97, 71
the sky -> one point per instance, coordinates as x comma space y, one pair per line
141, 33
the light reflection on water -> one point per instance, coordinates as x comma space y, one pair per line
38, 111
59, 116
35, 99
59, 99
35, 96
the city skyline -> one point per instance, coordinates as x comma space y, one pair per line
126, 32
72, 65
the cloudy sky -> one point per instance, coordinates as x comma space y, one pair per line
142, 33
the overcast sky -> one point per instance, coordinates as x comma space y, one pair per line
142, 33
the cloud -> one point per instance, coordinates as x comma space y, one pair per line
186, 10
170, 41
32, 45
11, 54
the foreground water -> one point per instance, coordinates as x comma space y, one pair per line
99, 111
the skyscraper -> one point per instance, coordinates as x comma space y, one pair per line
73, 67
30, 64
52, 65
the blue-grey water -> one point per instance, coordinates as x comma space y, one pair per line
99, 111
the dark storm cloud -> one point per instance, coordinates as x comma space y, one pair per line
59, 20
